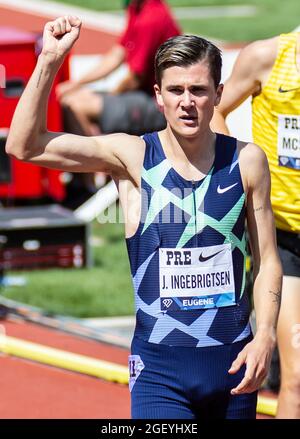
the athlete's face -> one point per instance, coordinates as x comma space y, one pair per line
187, 96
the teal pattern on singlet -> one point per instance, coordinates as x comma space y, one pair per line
200, 214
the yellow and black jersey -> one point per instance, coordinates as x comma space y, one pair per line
276, 128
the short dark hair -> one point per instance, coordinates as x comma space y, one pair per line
186, 50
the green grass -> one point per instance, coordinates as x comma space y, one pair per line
104, 290
274, 17
114, 5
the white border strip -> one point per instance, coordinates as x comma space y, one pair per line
110, 322
99, 20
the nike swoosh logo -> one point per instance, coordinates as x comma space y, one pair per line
282, 90
225, 189
206, 258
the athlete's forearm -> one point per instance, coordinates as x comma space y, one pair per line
109, 63
29, 120
218, 123
129, 83
267, 297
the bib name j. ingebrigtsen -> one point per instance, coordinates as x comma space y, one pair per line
180, 281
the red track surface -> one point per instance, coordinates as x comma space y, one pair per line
31, 390
91, 41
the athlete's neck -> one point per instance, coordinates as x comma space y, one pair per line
191, 148
192, 158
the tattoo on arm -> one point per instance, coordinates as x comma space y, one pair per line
39, 79
276, 296
258, 209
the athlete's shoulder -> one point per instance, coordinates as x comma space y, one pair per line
123, 142
251, 151
253, 65
132, 146
261, 52
130, 151
253, 162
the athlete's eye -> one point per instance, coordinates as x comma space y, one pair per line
198, 90
175, 90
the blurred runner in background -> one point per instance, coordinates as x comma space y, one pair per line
269, 71
130, 107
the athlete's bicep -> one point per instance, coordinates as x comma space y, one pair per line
75, 153
242, 83
260, 219
235, 92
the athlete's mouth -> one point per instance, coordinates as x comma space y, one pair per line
188, 118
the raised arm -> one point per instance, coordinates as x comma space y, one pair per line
248, 75
267, 270
29, 139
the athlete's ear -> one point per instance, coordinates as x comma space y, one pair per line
219, 92
158, 95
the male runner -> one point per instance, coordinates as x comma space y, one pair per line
269, 71
193, 355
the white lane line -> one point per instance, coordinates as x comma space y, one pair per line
109, 322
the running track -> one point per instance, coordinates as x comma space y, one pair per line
33, 391
91, 41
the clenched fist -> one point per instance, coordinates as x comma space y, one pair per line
60, 35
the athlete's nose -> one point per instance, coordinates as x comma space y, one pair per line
187, 101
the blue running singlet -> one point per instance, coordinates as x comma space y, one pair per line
187, 256
187, 260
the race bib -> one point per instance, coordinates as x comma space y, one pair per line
196, 278
136, 366
289, 141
